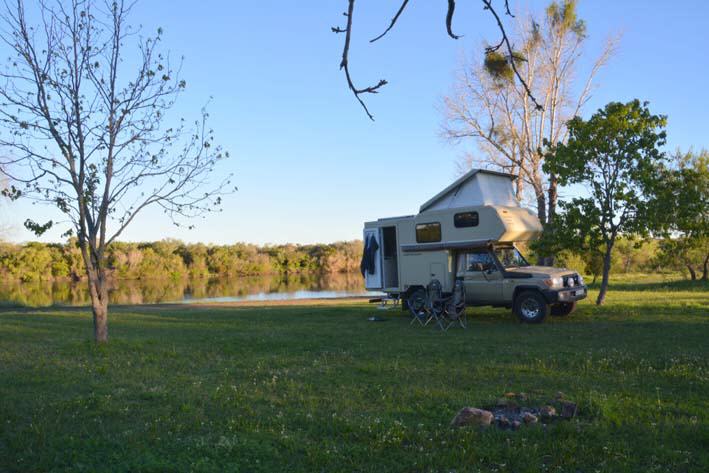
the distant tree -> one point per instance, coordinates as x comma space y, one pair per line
84, 128
683, 211
615, 155
490, 108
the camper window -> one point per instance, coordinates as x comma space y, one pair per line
465, 219
428, 232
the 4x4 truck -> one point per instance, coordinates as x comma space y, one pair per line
500, 276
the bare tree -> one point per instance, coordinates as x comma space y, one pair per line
84, 128
503, 45
493, 110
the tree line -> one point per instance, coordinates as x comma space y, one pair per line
176, 260
173, 259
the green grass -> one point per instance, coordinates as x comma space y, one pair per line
319, 388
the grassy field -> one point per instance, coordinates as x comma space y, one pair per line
316, 387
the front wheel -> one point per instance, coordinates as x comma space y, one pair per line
563, 309
530, 307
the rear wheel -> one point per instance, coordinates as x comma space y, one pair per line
530, 307
416, 303
563, 309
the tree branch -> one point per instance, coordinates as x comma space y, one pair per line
393, 21
344, 64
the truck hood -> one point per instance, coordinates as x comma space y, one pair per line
541, 271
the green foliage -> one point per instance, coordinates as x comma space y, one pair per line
564, 17
686, 254
318, 388
683, 212
499, 66
615, 155
38, 228
174, 259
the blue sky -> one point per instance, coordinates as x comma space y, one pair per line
310, 166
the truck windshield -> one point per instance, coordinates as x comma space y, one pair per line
510, 257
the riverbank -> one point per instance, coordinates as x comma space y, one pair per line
160, 290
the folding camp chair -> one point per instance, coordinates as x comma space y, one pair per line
417, 307
431, 306
455, 307
435, 304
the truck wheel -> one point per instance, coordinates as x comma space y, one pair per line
530, 307
416, 302
563, 308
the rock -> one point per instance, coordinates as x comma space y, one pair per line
503, 422
472, 416
510, 395
568, 409
516, 424
547, 412
529, 418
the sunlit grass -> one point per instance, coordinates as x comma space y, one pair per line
319, 388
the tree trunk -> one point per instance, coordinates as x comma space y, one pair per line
100, 311
541, 206
705, 269
606, 273
542, 215
98, 289
553, 197
692, 272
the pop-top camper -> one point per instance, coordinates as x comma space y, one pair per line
465, 237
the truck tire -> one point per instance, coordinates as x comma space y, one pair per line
530, 307
416, 302
563, 309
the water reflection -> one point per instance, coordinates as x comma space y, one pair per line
188, 290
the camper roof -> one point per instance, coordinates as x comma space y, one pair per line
476, 187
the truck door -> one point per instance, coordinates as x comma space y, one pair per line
373, 251
482, 278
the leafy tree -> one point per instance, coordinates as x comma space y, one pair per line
615, 155
86, 132
683, 211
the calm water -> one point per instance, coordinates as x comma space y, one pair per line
214, 289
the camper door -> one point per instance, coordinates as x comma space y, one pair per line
373, 253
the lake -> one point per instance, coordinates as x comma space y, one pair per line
41, 294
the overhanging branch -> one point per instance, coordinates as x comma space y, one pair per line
450, 13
